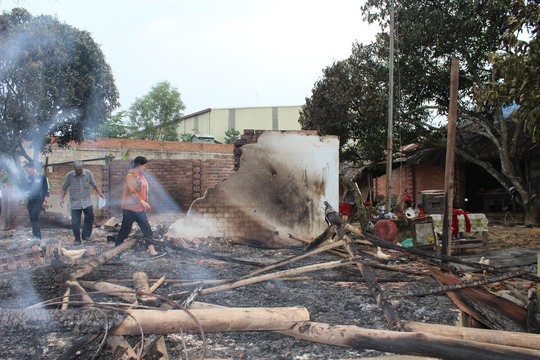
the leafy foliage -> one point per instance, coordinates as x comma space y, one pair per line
497, 69
114, 127
231, 136
429, 34
186, 137
53, 81
516, 77
155, 115
351, 101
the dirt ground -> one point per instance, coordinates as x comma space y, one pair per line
332, 296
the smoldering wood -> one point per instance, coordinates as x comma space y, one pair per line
85, 298
157, 284
209, 255
499, 337
161, 348
333, 252
488, 309
122, 292
417, 343
461, 285
81, 320
77, 346
532, 321
293, 259
92, 320
142, 288
65, 298
278, 274
377, 241
326, 234
97, 261
192, 296
117, 341
385, 339
390, 314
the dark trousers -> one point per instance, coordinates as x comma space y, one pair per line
88, 222
34, 209
128, 218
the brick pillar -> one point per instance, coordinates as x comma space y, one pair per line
197, 178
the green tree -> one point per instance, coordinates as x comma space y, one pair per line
186, 137
429, 33
351, 101
55, 85
155, 116
114, 127
516, 78
231, 136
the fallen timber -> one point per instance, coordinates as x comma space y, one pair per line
498, 345
94, 320
377, 241
488, 309
416, 343
507, 338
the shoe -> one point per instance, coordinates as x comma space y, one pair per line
77, 242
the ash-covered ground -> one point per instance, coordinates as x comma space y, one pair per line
335, 296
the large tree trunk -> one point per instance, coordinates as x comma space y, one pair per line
532, 213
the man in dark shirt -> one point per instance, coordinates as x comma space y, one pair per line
37, 190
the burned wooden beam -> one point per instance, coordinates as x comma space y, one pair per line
418, 343
499, 337
461, 285
492, 311
94, 320
390, 314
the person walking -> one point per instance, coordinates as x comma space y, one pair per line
135, 204
79, 181
37, 191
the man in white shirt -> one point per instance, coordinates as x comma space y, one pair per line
78, 181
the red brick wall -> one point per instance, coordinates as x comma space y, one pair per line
173, 185
417, 178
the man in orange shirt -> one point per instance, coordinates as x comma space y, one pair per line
135, 204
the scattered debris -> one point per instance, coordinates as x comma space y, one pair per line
214, 299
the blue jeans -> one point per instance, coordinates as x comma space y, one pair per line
88, 222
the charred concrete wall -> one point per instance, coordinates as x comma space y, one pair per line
279, 188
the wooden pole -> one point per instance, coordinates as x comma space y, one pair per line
119, 291
103, 258
390, 314
293, 259
140, 282
390, 131
289, 272
499, 337
450, 159
422, 344
211, 320
92, 320
538, 285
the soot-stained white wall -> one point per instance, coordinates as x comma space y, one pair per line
279, 189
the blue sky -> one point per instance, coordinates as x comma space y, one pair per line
217, 53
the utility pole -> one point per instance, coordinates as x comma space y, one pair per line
450, 159
390, 131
